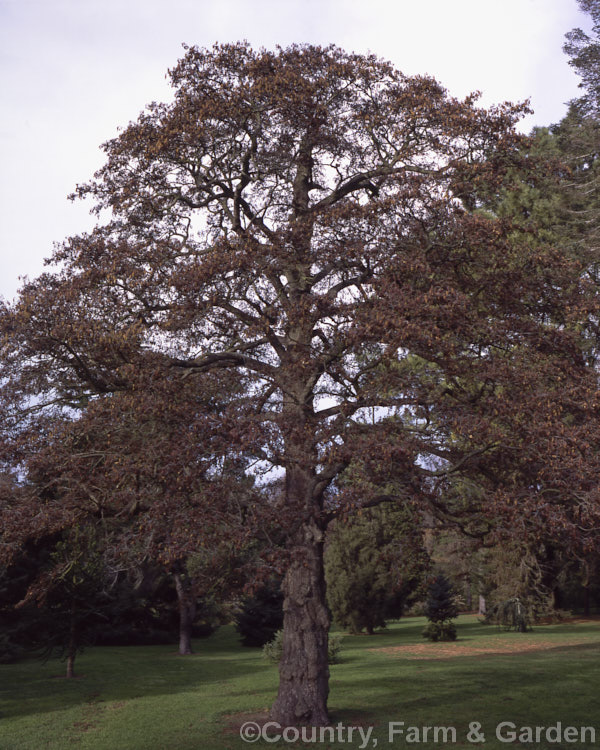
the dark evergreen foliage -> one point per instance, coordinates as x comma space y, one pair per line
440, 609
261, 615
440, 605
18, 626
374, 565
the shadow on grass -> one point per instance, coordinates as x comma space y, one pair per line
456, 691
111, 674
361, 685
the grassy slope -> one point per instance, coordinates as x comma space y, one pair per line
147, 698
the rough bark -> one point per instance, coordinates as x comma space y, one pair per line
304, 669
187, 612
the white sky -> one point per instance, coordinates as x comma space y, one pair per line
72, 71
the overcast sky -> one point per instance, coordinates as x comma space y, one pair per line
72, 71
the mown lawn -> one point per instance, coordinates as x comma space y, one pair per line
148, 698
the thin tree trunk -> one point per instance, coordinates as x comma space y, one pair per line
468, 592
71, 650
187, 612
556, 598
586, 589
304, 669
70, 665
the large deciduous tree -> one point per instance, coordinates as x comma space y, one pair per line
307, 220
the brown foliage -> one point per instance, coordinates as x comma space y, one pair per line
304, 221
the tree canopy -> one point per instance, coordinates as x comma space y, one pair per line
306, 226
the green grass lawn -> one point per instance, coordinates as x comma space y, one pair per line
148, 698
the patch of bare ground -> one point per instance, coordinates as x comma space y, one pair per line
512, 643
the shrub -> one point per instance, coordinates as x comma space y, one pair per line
334, 646
273, 649
440, 631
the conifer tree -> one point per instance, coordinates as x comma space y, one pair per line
373, 563
440, 610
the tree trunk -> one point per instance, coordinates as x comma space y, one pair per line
70, 665
71, 650
468, 593
187, 612
556, 598
304, 669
